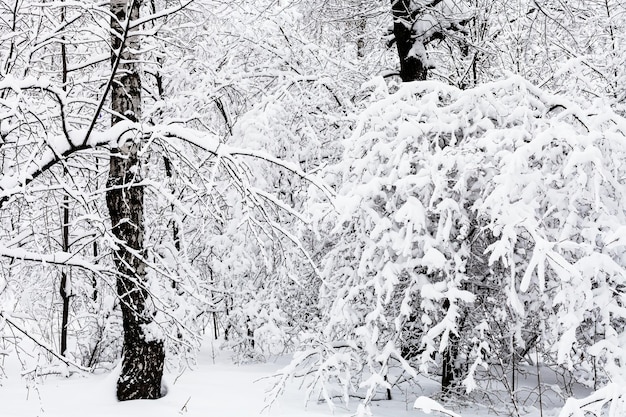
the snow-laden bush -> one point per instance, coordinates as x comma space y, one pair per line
471, 224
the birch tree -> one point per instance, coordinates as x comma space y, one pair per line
144, 355
98, 113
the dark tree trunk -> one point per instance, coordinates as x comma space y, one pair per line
142, 364
411, 66
360, 43
451, 369
170, 174
64, 288
144, 355
65, 226
448, 366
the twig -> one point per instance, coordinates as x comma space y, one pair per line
539, 383
41, 345
184, 407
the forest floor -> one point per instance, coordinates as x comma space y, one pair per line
215, 387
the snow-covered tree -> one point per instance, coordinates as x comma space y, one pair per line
470, 223
171, 179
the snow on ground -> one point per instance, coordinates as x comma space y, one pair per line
215, 387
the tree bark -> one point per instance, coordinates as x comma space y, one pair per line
411, 66
64, 287
448, 367
144, 355
451, 369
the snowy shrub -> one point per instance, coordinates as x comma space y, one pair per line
469, 224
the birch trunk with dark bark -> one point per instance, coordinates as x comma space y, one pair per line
144, 355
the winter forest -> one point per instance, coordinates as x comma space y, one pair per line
368, 207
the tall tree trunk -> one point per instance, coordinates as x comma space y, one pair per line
412, 67
166, 160
144, 355
361, 27
65, 287
451, 368
448, 366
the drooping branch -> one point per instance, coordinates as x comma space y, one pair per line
42, 345
57, 149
